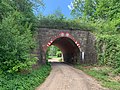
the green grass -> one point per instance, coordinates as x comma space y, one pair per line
25, 81
60, 60
102, 75
50, 57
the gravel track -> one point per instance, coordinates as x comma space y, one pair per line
65, 77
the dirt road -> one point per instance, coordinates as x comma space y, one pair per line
65, 77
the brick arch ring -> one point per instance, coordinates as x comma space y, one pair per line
61, 34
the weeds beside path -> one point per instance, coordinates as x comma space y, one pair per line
25, 81
104, 74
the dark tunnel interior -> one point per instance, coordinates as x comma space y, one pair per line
70, 50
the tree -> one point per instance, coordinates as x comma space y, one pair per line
97, 9
25, 7
16, 43
16, 26
84, 8
104, 15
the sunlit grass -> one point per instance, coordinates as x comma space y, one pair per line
103, 74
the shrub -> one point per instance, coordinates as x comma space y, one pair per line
24, 81
16, 43
108, 47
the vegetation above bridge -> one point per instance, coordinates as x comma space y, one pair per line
60, 22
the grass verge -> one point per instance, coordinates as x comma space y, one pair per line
104, 74
25, 81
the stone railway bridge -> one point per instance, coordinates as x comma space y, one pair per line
77, 46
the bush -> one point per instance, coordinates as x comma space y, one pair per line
24, 81
16, 43
59, 54
52, 21
108, 47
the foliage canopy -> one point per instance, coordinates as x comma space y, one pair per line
16, 39
104, 15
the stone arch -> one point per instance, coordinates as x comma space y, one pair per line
61, 35
69, 46
83, 40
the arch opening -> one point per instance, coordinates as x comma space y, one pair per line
69, 49
54, 54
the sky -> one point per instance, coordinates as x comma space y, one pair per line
52, 5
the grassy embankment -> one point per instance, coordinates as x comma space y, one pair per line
106, 75
27, 81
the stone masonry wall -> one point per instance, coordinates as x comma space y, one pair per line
85, 38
